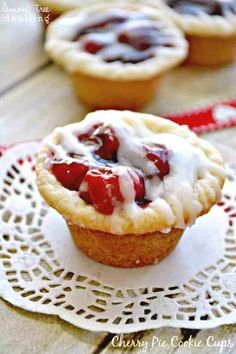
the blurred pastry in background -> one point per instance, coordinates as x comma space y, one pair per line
209, 26
115, 55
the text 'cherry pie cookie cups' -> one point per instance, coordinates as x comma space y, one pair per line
115, 54
128, 184
209, 26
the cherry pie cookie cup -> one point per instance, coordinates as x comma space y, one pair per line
115, 54
128, 184
209, 26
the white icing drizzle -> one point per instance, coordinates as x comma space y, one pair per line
104, 37
127, 191
175, 196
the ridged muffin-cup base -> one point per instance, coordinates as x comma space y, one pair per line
211, 50
99, 93
127, 251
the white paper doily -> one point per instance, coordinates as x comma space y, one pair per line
41, 270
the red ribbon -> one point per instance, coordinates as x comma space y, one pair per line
217, 116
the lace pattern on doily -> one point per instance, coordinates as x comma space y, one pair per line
33, 277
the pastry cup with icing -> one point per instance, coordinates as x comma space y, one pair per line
124, 72
128, 184
211, 32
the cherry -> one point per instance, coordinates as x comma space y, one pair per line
70, 175
86, 136
92, 46
159, 155
100, 187
104, 137
102, 190
109, 144
138, 183
94, 42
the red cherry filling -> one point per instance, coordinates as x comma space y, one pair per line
122, 36
92, 46
94, 42
139, 186
101, 186
158, 154
101, 189
70, 175
86, 136
104, 137
109, 144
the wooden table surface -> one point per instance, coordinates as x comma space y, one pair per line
35, 97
